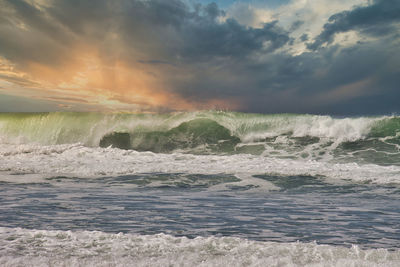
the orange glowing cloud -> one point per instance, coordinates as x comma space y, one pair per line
87, 76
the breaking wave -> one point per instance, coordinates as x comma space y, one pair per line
361, 140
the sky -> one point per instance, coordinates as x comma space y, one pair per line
339, 57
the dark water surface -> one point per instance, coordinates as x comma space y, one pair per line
301, 208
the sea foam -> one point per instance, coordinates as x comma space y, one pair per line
22, 247
81, 161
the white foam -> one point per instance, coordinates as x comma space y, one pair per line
81, 161
21, 247
338, 130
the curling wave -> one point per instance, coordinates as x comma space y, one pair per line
362, 139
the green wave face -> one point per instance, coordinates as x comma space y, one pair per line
388, 127
363, 139
49, 128
191, 134
91, 128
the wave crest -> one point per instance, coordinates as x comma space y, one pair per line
279, 135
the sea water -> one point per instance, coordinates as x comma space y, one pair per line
200, 188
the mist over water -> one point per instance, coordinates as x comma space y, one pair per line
204, 188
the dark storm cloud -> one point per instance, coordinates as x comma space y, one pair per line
377, 19
34, 18
230, 39
361, 76
205, 56
29, 34
179, 32
304, 37
84, 17
296, 25
169, 28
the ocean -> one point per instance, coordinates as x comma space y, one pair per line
206, 188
